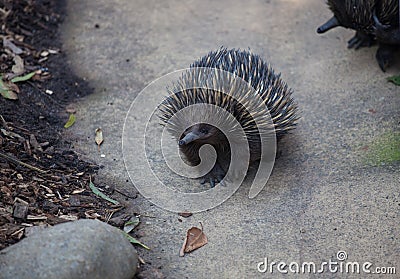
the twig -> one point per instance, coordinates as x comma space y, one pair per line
109, 216
44, 94
3, 122
141, 260
24, 44
20, 128
126, 195
21, 163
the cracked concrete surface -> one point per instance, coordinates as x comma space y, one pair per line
322, 196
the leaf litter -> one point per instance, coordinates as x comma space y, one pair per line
133, 222
195, 238
96, 191
43, 181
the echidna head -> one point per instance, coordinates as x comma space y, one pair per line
200, 133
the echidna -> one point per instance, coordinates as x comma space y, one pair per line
386, 33
192, 131
373, 21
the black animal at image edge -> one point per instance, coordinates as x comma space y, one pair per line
373, 21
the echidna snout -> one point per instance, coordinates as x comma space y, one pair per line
201, 133
331, 23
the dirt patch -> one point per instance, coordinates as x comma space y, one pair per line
42, 180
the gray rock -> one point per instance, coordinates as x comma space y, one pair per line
73, 250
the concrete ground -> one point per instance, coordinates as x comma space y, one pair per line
327, 193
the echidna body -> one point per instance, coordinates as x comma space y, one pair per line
373, 21
275, 96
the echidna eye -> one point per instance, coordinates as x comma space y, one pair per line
203, 131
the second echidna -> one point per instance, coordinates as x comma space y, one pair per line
193, 131
373, 21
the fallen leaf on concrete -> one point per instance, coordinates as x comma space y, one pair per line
394, 79
131, 224
70, 109
100, 194
195, 238
185, 214
135, 241
70, 121
99, 137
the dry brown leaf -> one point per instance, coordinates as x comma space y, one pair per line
18, 67
13, 87
185, 214
99, 137
70, 109
195, 238
8, 89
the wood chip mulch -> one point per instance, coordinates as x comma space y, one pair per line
43, 181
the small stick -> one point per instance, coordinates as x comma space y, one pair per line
125, 195
20, 128
21, 163
3, 122
41, 92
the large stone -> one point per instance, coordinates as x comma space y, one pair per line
73, 250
